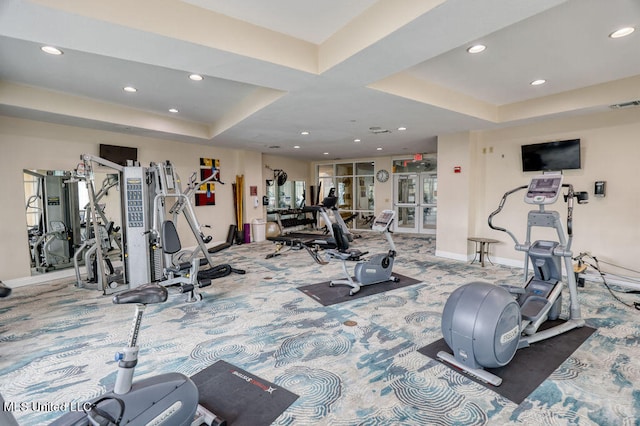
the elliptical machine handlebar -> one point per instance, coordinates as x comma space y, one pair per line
569, 199
581, 196
499, 209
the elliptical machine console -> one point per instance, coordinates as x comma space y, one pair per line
543, 190
484, 324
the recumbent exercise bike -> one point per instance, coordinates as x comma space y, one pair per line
376, 269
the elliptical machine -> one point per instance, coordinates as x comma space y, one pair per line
484, 324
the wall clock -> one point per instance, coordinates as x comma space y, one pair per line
382, 175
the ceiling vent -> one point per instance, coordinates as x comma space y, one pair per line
626, 104
378, 130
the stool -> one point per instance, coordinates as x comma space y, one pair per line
577, 270
482, 248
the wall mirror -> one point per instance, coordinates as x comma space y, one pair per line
57, 217
290, 195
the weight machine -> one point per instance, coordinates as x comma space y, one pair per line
152, 200
100, 272
178, 267
56, 231
109, 232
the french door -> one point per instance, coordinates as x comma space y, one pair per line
415, 202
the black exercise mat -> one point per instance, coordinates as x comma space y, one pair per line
529, 366
339, 293
240, 397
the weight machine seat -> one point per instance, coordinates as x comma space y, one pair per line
145, 294
171, 245
170, 240
327, 203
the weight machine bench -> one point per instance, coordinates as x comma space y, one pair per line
184, 274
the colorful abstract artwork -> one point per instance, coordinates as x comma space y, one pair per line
209, 175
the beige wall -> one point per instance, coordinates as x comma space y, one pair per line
251, 164
606, 227
383, 191
36, 145
295, 170
455, 203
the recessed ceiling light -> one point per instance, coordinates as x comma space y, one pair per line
51, 50
402, 128
196, 77
538, 82
622, 32
477, 48
304, 133
379, 149
296, 146
173, 110
130, 89
356, 140
325, 153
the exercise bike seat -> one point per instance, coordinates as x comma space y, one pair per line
343, 252
145, 294
351, 254
4, 290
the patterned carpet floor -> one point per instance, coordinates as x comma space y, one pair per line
57, 343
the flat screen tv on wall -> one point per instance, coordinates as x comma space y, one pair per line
118, 154
551, 156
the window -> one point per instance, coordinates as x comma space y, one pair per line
355, 191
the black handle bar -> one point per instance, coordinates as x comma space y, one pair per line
501, 205
568, 198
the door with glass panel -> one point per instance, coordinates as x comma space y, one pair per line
415, 202
429, 203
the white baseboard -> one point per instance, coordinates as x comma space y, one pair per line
454, 256
41, 278
68, 273
469, 257
508, 262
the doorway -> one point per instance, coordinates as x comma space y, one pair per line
415, 202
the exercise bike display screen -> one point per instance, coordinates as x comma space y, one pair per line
383, 220
544, 189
